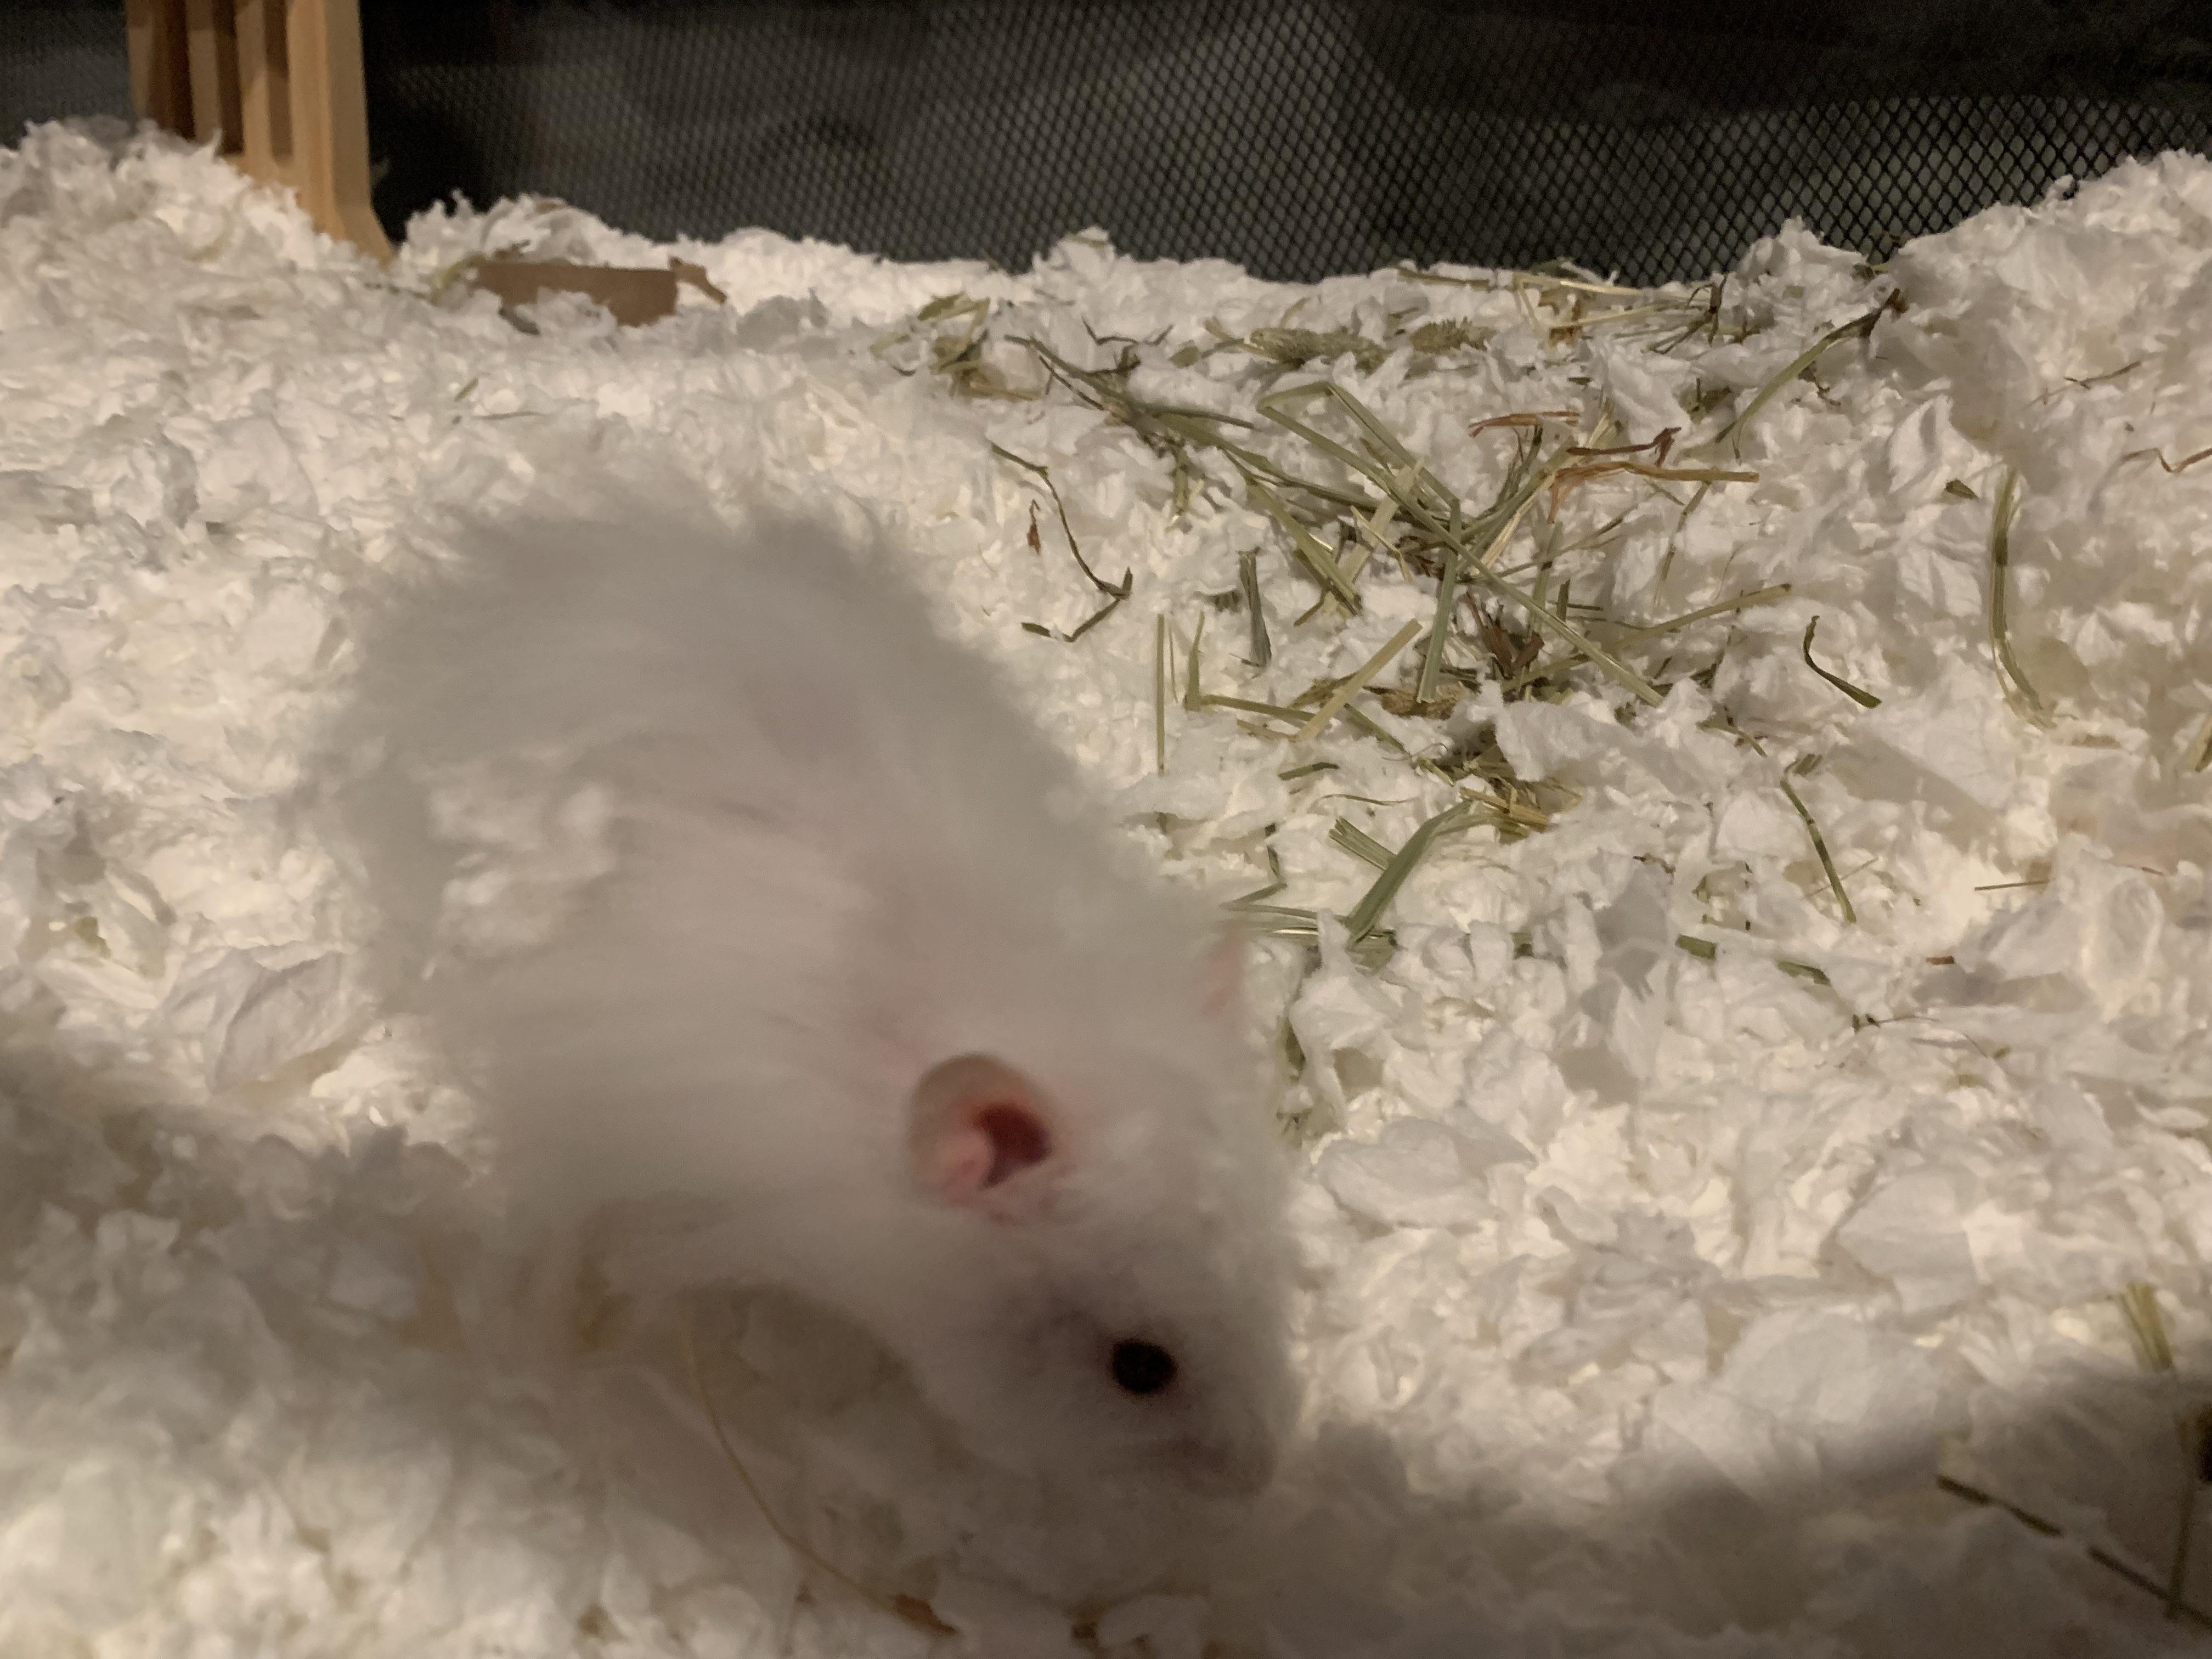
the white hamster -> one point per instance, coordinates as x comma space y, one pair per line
862, 1001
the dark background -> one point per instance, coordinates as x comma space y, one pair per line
1301, 137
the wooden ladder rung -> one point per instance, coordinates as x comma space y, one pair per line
279, 82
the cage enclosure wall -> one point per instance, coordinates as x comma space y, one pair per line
1300, 137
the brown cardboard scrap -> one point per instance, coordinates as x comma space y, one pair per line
633, 296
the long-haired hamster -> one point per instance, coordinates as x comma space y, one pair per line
848, 990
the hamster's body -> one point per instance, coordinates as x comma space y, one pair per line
860, 1003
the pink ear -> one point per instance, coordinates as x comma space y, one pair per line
1221, 981
977, 1127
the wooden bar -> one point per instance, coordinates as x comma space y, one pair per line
330, 120
280, 81
211, 58
267, 81
161, 77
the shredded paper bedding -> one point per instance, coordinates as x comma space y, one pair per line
1756, 1139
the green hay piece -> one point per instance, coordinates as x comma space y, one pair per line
1116, 592
1706, 950
1371, 951
1306, 770
1254, 899
2154, 1349
1591, 465
1162, 673
1414, 274
957, 355
2200, 755
1627, 314
1285, 914
1247, 580
1309, 546
1298, 716
1094, 618
1674, 540
2147, 1325
1514, 819
1294, 1067
1276, 922
1449, 334
1708, 321
1368, 536
1401, 702
2001, 518
1652, 631
1176, 432
1192, 698
1294, 348
944, 304
1367, 723
1864, 699
2181, 466
1369, 800
911, 1609
1732, 434
1355, 682
1820, 843
1565, 274
1272, 710
1641, 689
445, 275
1424, 501
1369, 911
1120, 591
1361, 845
2175, 1608
1273, 921
1170, 429
2106, 379
1523, 481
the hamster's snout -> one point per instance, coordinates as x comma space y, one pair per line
1240, 1463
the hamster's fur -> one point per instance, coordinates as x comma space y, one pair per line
857, 998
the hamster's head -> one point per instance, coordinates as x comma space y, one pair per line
1109, 1275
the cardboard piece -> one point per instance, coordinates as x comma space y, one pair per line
633, 296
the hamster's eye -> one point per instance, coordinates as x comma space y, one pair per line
1142, 1367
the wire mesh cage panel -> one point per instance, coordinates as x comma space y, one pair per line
60, 59
1300, 137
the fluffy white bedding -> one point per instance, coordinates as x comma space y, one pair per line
1651, 1285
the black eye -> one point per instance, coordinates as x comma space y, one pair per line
1142, 1367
